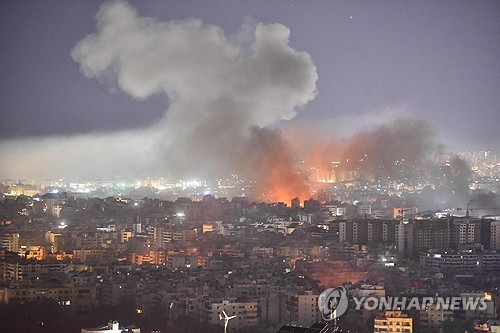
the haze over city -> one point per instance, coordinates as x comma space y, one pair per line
250, 166
190, 90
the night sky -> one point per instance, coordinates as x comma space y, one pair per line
435, 60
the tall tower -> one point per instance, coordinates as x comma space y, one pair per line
11, 242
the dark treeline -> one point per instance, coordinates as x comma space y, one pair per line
49, 316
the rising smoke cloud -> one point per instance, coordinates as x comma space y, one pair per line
225, 100
227, 95
396, 149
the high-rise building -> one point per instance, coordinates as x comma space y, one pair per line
490, 233
465, 232
295, 203
495, 235
365, 231
430, 234
304, 309
272, 308
10, 242
404, 238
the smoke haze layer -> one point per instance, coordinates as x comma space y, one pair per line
227, 95
394, 149
222, 97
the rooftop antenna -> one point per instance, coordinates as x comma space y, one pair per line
226, 319
333, 322
468, 208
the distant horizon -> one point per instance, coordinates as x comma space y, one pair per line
439, 61
127, 89
135, 178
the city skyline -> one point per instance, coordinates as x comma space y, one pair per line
249, 166
374, 63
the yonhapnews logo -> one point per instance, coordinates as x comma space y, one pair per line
333, 303
421, 303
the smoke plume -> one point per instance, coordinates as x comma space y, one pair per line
225, 100
226, 96
274, 167
394, 150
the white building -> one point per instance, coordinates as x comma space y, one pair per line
304, 309
246, 314
112, 327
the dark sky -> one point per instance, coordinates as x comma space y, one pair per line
439, 60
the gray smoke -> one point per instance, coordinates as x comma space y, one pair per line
396, 150
219, 90
85, 157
